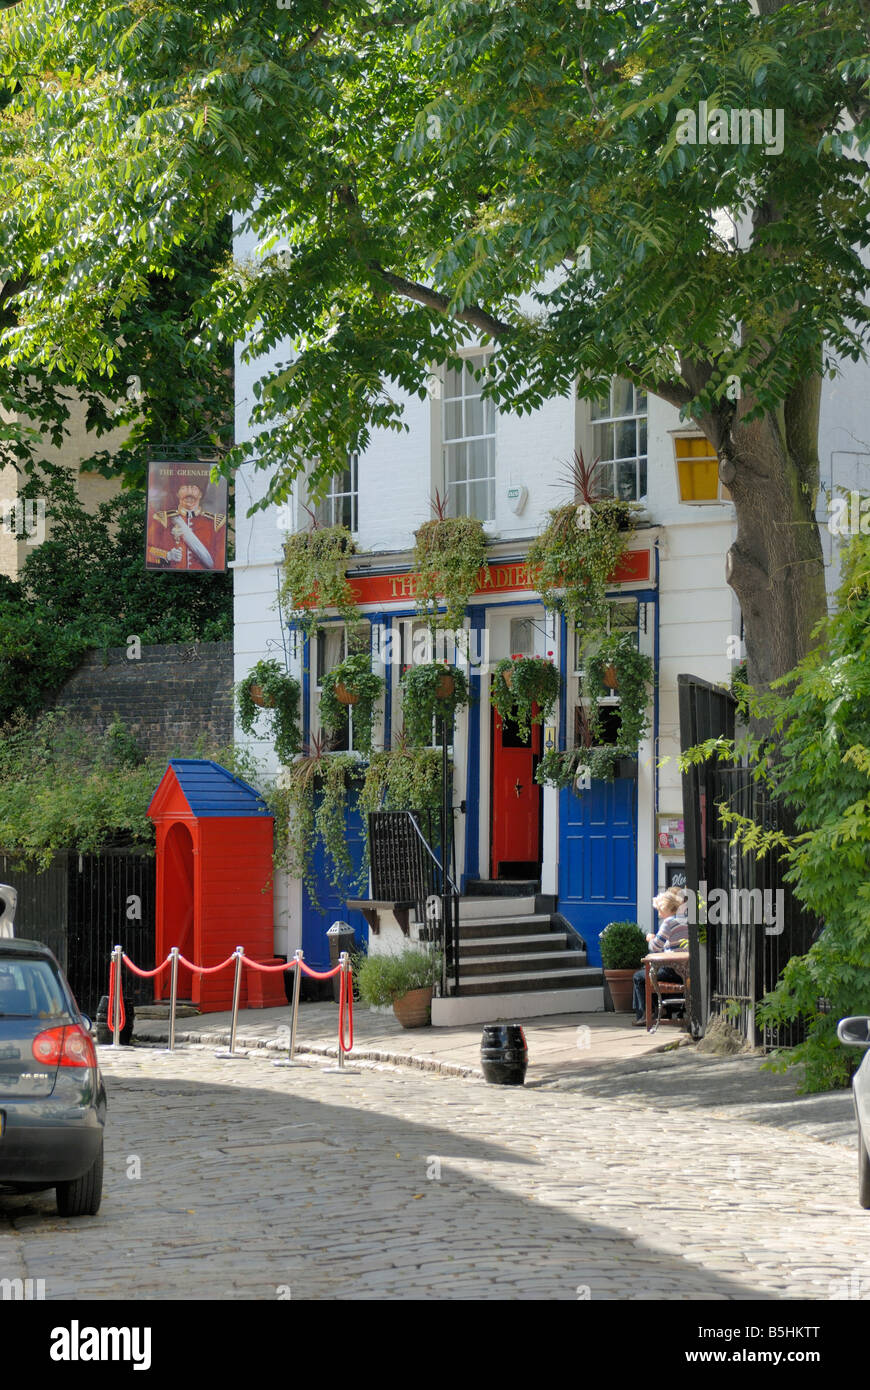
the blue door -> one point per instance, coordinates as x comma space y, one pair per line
598, 858
316, 921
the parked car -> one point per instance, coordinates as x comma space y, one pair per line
52, 1096
855, 1032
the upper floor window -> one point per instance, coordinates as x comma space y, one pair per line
468, 443
619, 441
340, 506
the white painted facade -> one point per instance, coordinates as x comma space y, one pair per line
697, 613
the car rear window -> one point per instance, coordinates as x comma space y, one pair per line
29, 988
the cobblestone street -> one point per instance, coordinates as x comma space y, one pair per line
237, 1179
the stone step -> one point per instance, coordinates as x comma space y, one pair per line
495, 909
502, 887
505, 982
473, 967
511, 945
508, 1007
505, 926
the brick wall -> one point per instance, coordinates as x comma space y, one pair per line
169, 698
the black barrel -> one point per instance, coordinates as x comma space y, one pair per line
504, 1055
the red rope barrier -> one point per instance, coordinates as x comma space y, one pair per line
207, 969
144, 974
345, 1000
268, 969
319, 974
122, 1017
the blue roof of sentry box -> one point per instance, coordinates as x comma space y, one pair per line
210, 790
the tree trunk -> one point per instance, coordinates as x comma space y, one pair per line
775, 566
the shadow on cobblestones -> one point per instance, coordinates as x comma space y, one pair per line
251, 1188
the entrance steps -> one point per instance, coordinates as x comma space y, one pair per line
516, 962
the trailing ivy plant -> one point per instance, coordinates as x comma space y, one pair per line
404, 779
281, 695
311, 805
421, 701
354, 673
315, 579
559, 769
579, 549
521, 682
634, 672
449, 552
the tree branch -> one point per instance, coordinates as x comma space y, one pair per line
473, 314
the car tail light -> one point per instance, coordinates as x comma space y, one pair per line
65, 1047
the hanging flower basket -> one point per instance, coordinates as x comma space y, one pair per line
267, 686
445, 687
431, 691
345, 696
525, 689
260, 698
352, 683
610, 678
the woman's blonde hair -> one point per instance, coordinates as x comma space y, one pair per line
672, 898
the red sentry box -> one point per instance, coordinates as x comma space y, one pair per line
266, 991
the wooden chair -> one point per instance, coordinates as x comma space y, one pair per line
665, 993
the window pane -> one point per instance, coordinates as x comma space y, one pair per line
456, 493
641, 478
600, 409
626, 439
481, 501
602, 438
474, 416
452, 419
452, 383
522, 637
623, 396
478, 459
627, 481
641, 436
640, 402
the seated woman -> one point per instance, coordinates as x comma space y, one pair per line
672, 933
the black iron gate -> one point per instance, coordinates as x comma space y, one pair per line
82, 906
754, 923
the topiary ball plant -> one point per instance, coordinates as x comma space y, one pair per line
623, 946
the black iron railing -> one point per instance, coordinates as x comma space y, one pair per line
407, 870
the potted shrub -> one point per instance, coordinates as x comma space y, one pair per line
268, 686
623, 947
433, 690
525, 689
405, 980
352, 683
449, 552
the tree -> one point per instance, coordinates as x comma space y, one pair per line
420, 175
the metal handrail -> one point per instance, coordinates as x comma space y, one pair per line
429, 850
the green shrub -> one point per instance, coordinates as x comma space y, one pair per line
382, 979
623, 946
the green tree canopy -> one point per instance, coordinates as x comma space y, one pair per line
417, 176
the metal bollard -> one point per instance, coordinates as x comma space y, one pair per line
173, 995
289, 1060
344, 961
237, 992
115, 1002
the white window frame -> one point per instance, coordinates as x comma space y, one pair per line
449, 487
607, 472
325, 508
316, 673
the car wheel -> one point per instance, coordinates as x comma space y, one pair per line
863, 1172
83, 1195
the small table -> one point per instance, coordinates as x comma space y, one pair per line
677, 960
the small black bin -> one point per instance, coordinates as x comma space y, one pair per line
504, 1055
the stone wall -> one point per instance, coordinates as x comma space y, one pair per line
170, 697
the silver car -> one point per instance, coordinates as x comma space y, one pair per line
855, 1032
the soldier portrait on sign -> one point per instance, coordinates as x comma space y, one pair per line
187, 519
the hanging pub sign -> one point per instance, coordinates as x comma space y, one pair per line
187, 518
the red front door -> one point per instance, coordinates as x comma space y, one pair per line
516, 801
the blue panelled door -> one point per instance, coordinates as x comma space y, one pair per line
598, 858
317, 921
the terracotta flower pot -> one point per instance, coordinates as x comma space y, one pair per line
345, 696
620, 983
445, 687
414, 1008
259, 698
611, 679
